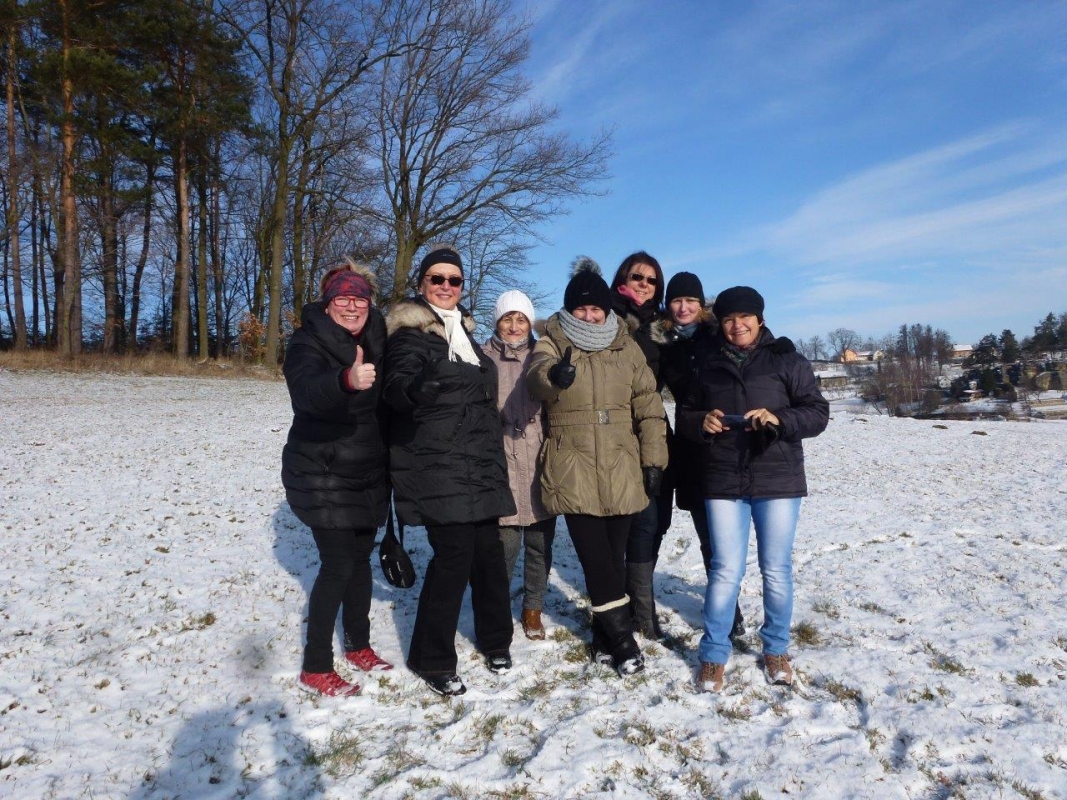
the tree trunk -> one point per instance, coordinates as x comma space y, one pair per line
180, 308
277, 253
142, 260
13, 169
222, 334
68, 272
109, 241
204, 349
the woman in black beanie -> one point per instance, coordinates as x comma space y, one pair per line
606, 447
754, 399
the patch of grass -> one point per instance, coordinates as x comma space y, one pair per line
485, 728
735, 712
639, 733
873, 608
699, 784
199, 623
806, 634
752, 794
576, 653
341, 757
875, 738
21, 761
1026, 679
1026, 791
842, 692
134, 364
1061, 642
421, 783
944, 662
925, 694
827, 608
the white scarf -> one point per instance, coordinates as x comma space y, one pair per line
459, 343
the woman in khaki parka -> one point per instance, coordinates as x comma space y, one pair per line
606, 448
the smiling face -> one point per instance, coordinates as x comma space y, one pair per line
594, 314
513, 327
349, 312
684, 310
436, 288
642, 281
741, 329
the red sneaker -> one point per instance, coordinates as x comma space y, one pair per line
367, 660
329, 684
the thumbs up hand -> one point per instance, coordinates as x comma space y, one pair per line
426, 386
361, 376
563, 373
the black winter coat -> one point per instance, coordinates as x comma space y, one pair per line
763, 464
335, 462
639, 320
447, 458
680, 360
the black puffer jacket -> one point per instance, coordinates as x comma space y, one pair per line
334, 465
639, 320
447, 458
763, 464
680, 360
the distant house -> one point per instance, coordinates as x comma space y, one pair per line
850, 356
961, 351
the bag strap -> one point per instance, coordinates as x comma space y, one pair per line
389, 522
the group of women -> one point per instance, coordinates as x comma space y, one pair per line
486, 445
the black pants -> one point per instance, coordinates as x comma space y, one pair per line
343, 582
600, 543
467, 553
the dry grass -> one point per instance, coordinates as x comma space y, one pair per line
161, 364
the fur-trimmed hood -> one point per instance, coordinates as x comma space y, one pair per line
662, 330
415, 312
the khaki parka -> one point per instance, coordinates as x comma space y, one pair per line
601, 430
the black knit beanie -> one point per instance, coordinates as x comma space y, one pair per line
684, 284
587, 287
440, 255
743, 299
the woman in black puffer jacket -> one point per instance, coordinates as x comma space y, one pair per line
753, 401
334, 465
448, 470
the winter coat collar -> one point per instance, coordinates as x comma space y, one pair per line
767, 341
334, 338
506, 353
416, 313
662, 330
554, 330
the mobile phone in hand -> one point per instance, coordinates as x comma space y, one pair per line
735, 421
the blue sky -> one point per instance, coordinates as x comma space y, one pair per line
862, 164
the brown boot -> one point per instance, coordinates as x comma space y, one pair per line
531, 624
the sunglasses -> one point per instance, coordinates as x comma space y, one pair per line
637, 277
453, 281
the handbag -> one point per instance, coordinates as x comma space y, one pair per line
395, 561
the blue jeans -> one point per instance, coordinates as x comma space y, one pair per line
776, 526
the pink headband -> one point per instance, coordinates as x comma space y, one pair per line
346, 284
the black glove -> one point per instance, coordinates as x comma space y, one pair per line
426, 387
563, 373
653, 480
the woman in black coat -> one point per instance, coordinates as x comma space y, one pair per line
448, 470
753, 401
334, 466
636, 298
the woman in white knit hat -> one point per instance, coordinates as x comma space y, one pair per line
511, 346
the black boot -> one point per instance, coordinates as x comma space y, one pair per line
738, 629
619, 637
643, 599
599, 649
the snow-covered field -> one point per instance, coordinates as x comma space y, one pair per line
153, 583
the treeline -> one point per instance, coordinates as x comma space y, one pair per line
1050, 336
179, 173
921, 343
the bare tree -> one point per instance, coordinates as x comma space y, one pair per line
460, 140
842, 339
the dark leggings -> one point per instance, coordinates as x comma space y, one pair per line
600, 543
343, 582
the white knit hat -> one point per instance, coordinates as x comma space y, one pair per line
513, 300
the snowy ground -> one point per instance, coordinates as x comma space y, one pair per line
153, 583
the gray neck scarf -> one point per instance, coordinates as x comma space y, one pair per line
589, 336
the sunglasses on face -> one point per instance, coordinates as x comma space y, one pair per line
637, 277
349, 301
453, 281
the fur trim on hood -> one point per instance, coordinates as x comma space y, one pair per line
414, 312
662, 330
